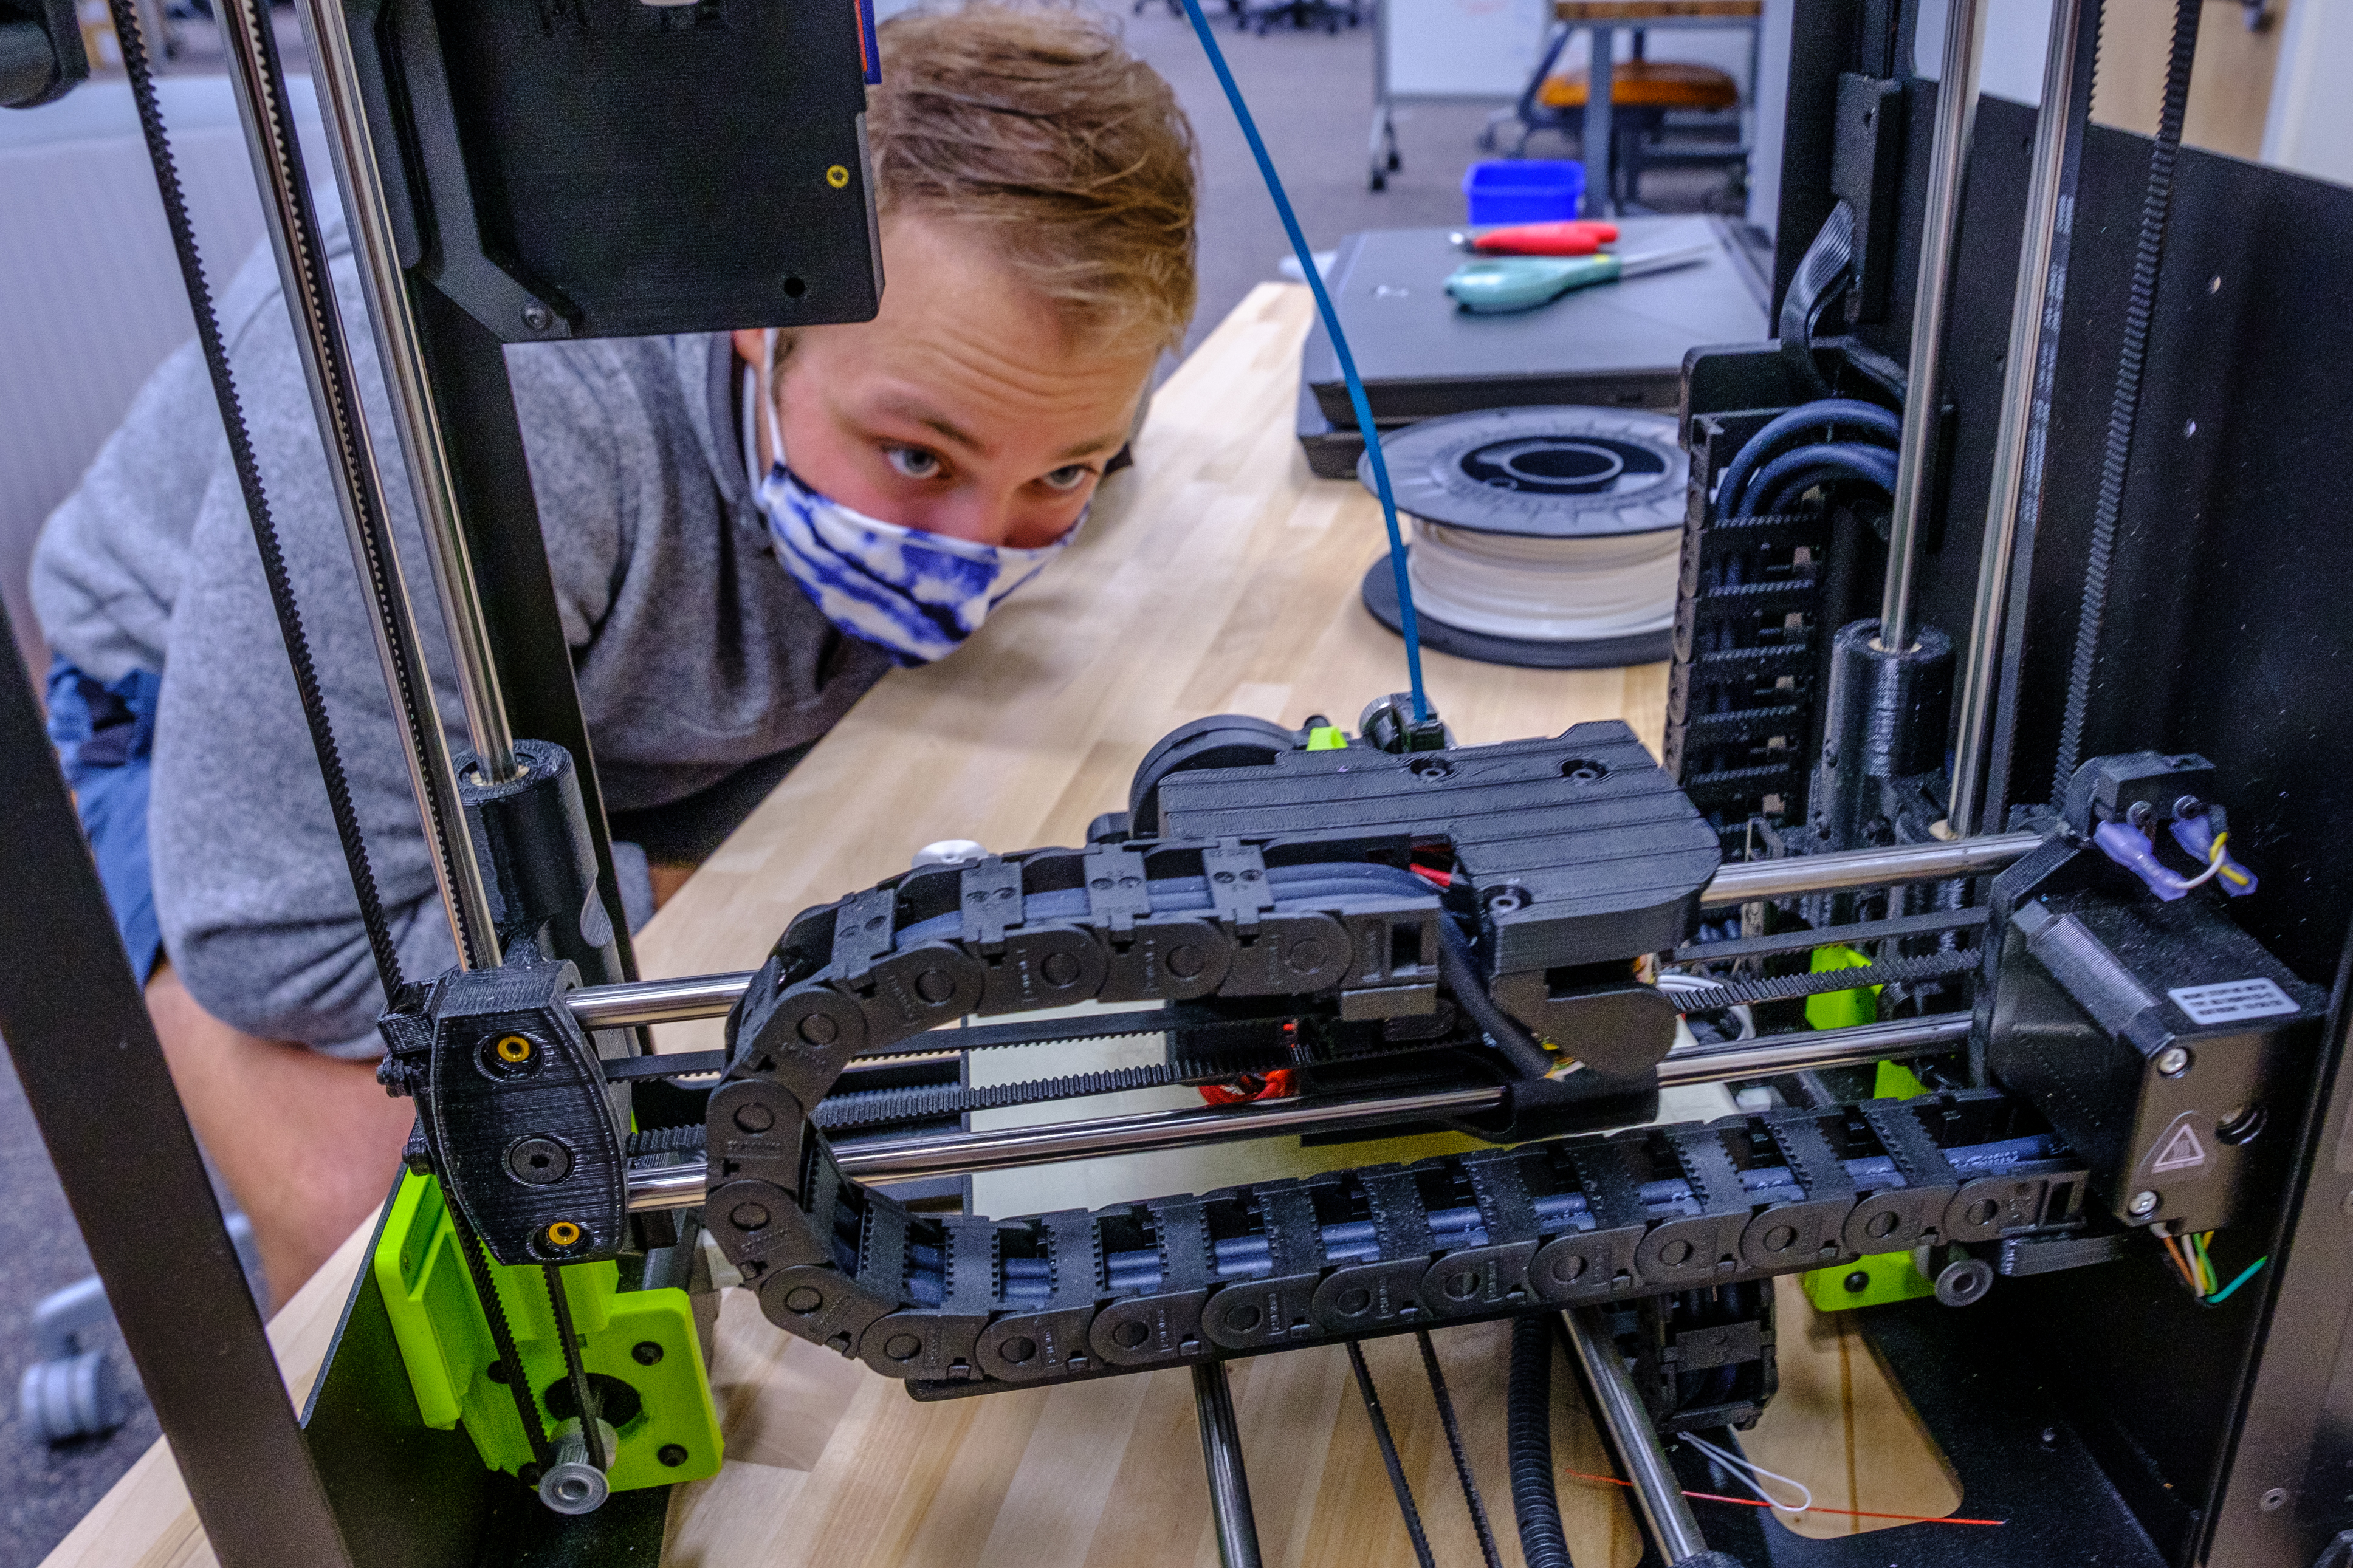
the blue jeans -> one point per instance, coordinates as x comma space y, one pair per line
105, 736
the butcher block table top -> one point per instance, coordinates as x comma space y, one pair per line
1218, 575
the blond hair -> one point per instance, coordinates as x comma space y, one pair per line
1035, 122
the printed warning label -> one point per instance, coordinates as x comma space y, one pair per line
2181, 1151
2229, 1001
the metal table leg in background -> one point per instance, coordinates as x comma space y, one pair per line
1221, 1453
1957, 103
1600, 196
1659, 1496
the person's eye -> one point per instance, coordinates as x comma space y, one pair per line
1067, 479
913, 462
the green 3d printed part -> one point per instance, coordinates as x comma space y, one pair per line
1840, 1009
640, 1349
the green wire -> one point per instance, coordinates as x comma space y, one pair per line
2218, 1297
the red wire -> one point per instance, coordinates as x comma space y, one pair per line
1843, 1512
1443, 879
1274, 1085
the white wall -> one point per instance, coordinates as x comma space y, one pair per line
2309, 128
90, 297
2018, 34
1772, 99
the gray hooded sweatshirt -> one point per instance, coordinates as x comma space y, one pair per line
694, 652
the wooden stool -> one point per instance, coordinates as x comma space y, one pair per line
1643, 91
1657, 85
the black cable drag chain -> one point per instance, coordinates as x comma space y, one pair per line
959, 1304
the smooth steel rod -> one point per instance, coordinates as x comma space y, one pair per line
1813, 1050
401, 351
657, 1001
1940, 228
964, 1153
1796, 874
710, 995
1221, 1454
2026, 381
323, 346
1658, 1494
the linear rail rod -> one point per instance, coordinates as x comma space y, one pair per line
964, 1153
711, 996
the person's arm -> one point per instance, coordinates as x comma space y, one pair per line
256, 901
110, 560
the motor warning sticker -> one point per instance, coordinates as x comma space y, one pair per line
2185, 1151
2229, 1001
2181, 1151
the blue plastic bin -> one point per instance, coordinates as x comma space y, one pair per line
1523, 190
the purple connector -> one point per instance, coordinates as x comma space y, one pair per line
2130, 847
2195, 835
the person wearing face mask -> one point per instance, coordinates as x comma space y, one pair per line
745, 530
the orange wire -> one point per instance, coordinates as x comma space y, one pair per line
1841, 1512
2188, 1277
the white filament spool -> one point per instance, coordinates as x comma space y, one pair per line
1546, 590
1542, 536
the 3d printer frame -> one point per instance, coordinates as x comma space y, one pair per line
357, 1481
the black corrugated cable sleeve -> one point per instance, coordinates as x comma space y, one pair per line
257, 503
1528, 1408
1460, 974
2125, 407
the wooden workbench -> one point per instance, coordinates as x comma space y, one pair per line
1216, 576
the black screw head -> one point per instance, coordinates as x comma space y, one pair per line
1857, 1283
538, 317
645, 1353
671, 1455
539, 1161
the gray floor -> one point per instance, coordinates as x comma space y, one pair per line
1312, 95
44, 1491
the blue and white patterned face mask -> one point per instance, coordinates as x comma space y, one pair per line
916, 595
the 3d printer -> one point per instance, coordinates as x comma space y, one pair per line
2118, 1046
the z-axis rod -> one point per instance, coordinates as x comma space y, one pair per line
321, 344
2017, 444
1221, 1455
397, 344
1940, 228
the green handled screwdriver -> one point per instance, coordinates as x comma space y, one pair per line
1495, 285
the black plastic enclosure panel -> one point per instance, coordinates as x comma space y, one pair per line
610, 168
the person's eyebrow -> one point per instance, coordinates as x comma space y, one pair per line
1089, 448
932, 420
